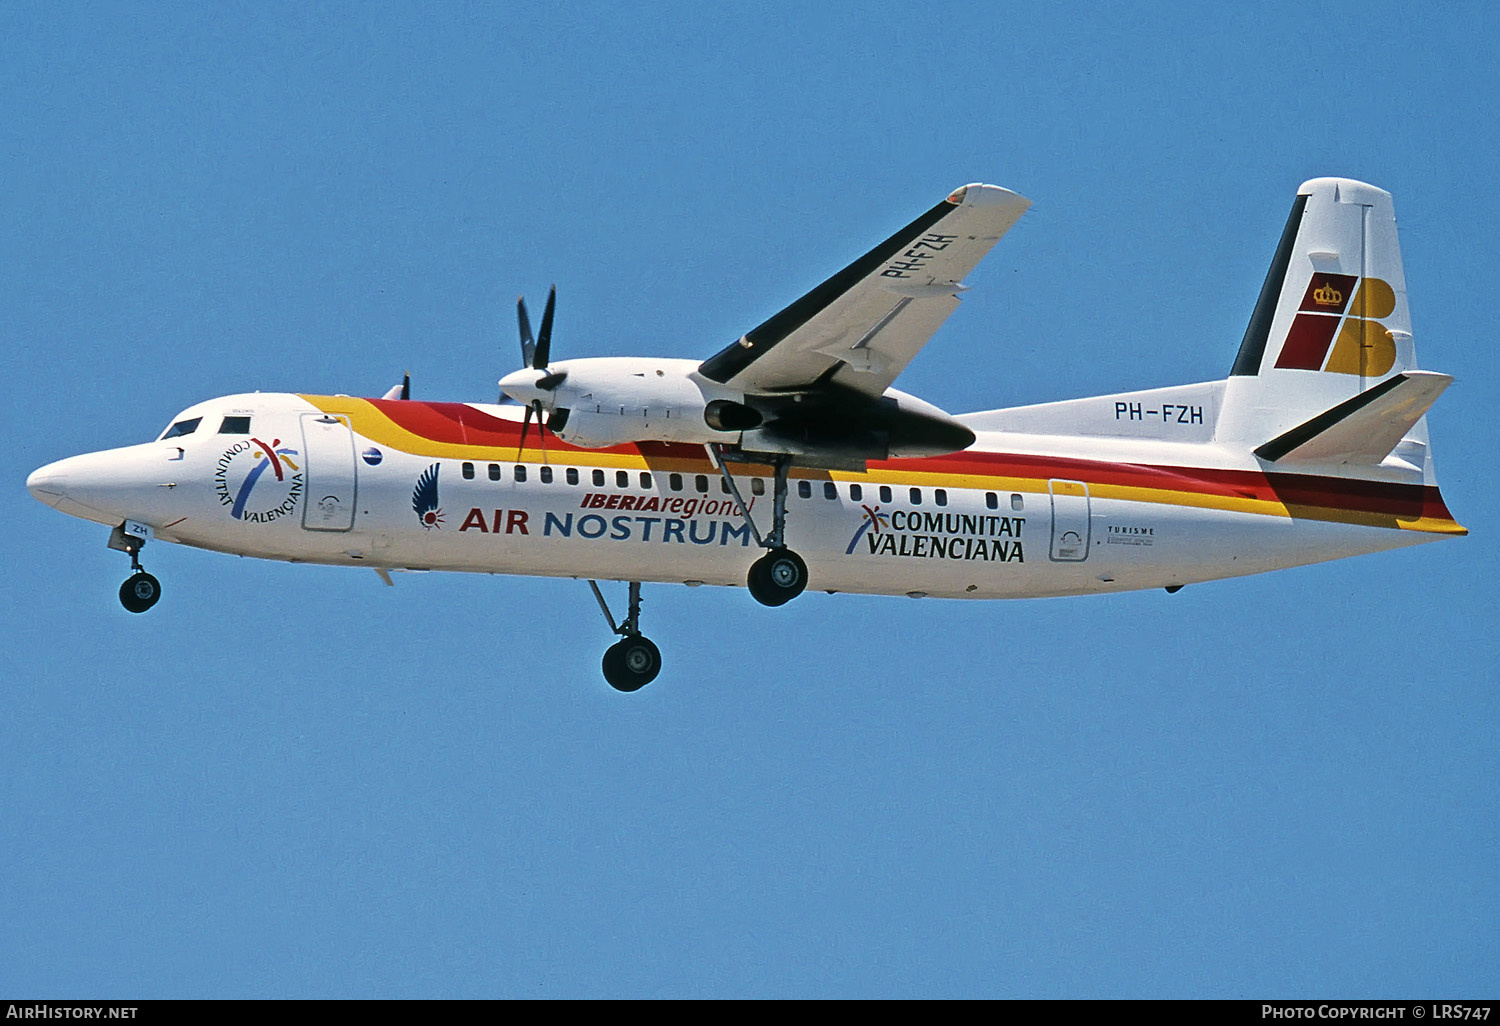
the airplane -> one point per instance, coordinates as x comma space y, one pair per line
787, 460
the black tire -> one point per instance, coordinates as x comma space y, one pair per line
777, 577
140, 592
632, 663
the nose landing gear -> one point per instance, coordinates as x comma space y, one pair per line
141, 590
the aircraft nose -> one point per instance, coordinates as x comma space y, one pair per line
115, 482
48, 484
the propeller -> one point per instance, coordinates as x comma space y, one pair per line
534, 356
401, 391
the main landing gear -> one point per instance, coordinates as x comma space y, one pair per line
780, 575
634, 661
140, 591
777, 577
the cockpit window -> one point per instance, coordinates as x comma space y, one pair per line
183, 427
235, 426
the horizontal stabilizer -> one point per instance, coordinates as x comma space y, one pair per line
1364, 429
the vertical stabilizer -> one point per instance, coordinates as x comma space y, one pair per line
1331, 321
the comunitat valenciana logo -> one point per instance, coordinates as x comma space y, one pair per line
935, 534
1335, 333
258, 482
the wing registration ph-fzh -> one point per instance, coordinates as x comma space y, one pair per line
787, 459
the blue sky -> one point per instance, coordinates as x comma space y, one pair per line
293, 781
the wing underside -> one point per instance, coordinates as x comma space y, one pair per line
861, 327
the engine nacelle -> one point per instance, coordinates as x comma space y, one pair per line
598, 403
844, 429
616, 400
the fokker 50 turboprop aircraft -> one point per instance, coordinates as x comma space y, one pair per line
787, 458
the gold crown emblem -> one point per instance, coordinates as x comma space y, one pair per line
1328, 296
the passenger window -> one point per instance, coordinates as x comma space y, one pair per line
622, 479
940, 496
645, 480
700, 482
468, 471
235, 426
804, 489
572, 475
546, 475
520, 472
1016, 502
723, 486
830, 490
991, 501
856, 492
757, 486
916, 496
885, 493
675, 480
494, 471
182, 427
598, 479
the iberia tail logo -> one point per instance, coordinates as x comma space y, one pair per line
1338, 329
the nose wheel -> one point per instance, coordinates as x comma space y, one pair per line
140, 591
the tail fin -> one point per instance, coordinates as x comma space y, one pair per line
1331, 323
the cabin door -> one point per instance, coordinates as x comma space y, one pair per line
331, 480
1070, 521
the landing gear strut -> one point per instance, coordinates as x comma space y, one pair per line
140, 591
780, 575
634, 661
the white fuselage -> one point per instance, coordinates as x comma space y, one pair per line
1017, 515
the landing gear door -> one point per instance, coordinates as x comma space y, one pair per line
1070, 521
331, 481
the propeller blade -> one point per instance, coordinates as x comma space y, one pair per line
528, 345
544, 340
541, 434
406, 385
549, 382
525, 423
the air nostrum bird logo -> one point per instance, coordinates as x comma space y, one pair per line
424, 499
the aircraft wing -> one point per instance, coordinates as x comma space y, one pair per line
861, 327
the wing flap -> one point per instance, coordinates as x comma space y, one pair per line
862, 326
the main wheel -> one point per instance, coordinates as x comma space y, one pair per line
140, 592
632, 663
777, 577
